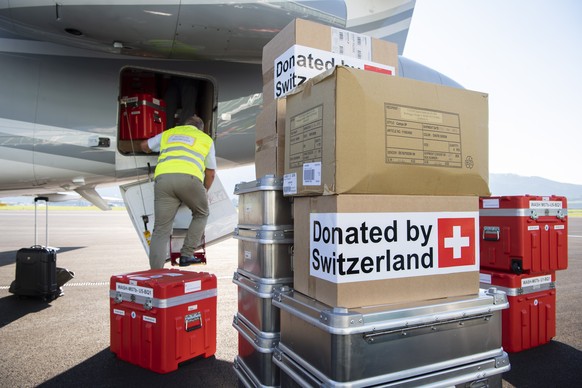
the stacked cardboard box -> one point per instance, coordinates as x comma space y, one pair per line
299, 52
362, 250
385, 175
386, 172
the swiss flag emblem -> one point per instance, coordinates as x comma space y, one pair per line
456, 242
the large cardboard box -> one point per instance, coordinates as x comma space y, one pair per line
362, 250
270, 139
304, 49
360, 132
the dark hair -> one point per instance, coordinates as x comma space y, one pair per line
195, 121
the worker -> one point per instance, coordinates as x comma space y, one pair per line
184, 173
181, 98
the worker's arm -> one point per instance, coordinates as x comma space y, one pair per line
209, 177
145, 147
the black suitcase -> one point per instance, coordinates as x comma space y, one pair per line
36, 267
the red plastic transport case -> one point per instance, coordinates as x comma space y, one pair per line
162, 317
141, 117
524, 234
530, 320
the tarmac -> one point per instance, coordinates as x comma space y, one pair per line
65, 343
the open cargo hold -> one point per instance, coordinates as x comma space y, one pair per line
151, 101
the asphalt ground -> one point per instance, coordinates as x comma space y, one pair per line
65, 343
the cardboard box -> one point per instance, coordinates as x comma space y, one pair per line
362, 250
270, 156
360, 132
304, 49
270, 139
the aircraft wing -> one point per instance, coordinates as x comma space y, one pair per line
139, 202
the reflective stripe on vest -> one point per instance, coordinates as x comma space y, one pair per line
183, 150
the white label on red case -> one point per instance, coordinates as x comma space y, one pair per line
135, 290
173, 274
133, 279
353, 247
536, 281
193, 307
556, 227
492, 203
485, 278
149, 319
533, 227
119, 312
194, 286
545, 204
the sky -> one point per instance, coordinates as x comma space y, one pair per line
527, 55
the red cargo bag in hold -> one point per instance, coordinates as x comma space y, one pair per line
530, 320
523, 234
162, 317
141, 117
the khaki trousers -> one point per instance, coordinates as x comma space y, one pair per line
170, 191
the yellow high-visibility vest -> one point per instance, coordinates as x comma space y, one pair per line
183, 151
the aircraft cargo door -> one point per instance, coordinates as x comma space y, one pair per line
151, 101
139, 202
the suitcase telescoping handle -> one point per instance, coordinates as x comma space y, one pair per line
45, 199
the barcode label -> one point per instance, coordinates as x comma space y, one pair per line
312, 174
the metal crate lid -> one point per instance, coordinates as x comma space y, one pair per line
339, 320
260, 287
263, 342
267, 182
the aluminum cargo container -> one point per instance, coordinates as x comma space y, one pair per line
357, 344
261, 202
485, 373
255, 353
265, 253
255, 301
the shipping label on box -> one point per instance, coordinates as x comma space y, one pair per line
354, 247
300, 63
